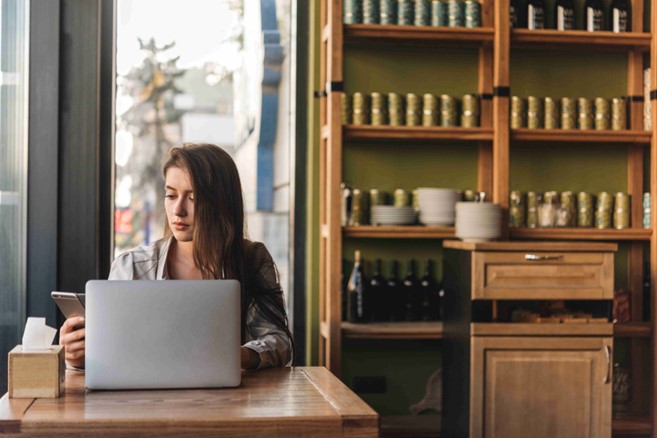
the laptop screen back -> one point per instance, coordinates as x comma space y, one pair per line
162, 334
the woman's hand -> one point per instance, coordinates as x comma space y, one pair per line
249, 358
73, 341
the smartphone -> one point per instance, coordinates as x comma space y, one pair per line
70, 303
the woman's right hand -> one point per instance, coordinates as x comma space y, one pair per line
73, 341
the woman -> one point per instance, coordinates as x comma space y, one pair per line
205, 239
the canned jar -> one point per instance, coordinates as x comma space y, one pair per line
439, 13
361, 109
584, 113
357, 210
422, 12
401, 198
388, 12
396, 109
518, 112
532, 209
345, 108
618, 114
534, 112
551, 111
455, 13
470, 112
602, 114
405, 12
584, 210
370, 11
621, 211
429, 110
472, 14
516, 209
568, 113
379, 115
413, 110
352, 12
448, 110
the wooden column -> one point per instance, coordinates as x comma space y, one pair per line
500, 154
485, 90
333, 230
653, 220
635, 157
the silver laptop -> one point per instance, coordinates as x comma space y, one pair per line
147, 334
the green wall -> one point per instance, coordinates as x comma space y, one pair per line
387, 166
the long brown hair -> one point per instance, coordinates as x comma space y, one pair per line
221, 250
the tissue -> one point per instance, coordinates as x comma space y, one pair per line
37, 335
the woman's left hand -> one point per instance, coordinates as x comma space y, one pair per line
249, 358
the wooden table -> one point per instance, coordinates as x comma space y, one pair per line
300, 401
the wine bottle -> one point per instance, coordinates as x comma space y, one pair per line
620, 16
564, 14
535, 14
376, 299
646, 295
593, 11
356, 292
393, 293
429, 292
343, 285
410, 291
513, 14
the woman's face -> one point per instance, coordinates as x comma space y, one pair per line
179, 204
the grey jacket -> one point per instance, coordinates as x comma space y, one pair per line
270, 342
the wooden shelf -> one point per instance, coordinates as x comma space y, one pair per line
417, 35
368, 133
577, 136
632, 330
399, 232
580, 234
393, 330
579, 39
637, 426
540, 329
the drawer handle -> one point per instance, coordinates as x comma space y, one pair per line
538, 258
608, 355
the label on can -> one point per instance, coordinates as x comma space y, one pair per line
619, 20
593, 19
535, 17
565, 18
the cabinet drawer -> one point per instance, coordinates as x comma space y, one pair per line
543, 275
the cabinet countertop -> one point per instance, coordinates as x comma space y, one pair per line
531, 246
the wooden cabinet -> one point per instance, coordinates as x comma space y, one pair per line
551, 386
507, 379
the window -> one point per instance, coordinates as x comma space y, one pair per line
213, 71
13, 173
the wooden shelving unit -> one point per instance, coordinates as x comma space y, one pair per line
638, 234
399, 232
492, 44
393, 330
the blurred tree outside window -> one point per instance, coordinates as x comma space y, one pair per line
186, 72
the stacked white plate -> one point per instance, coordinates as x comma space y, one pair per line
391, 215
478, 221
437, 206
